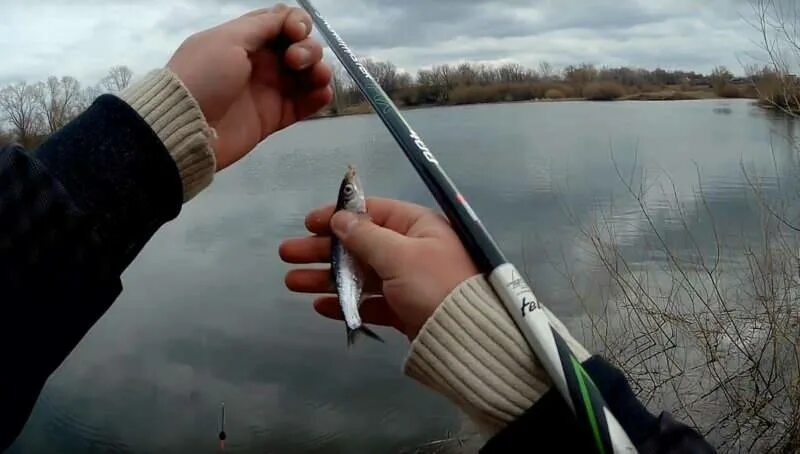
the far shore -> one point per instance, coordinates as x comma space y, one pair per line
364, 108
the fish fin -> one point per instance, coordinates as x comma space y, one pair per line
353, 334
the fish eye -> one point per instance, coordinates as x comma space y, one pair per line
348, 189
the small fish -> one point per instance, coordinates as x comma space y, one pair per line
347, 273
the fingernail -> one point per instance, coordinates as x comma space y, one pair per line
305, 57
343, 222
303, 28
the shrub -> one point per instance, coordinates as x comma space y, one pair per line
603, 91
729, 91
521, 92
720, 79
647, 88
539, 90
554, 93
748, 91
357, 109
475, 94
781, 92
569, 92
408, 96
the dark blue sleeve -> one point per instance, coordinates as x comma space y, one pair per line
549, 425
73, 215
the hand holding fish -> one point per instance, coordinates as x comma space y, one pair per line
414, 260
253, 76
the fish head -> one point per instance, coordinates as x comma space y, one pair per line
351, 193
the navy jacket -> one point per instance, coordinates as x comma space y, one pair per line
75, 213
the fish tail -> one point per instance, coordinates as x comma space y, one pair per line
353, 334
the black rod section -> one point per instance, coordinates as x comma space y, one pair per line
473, 234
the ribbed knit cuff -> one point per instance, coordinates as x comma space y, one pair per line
471, 352
171, 111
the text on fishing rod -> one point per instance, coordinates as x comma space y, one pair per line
343, 47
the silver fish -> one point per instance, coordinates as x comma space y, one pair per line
347, 273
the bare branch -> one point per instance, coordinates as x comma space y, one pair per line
118, 79
59, 102
18, 106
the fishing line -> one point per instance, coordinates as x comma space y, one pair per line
569, 377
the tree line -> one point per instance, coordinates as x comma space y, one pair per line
468, 83
29, 112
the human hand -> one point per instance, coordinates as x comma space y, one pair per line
248, 84
412, 257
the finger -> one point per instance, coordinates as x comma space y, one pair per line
280, 8
316, 76
256, 12
255, 31
395, 214
303, 54
328, 306
318, 221
308, 104
298, 25
321, 281
310, 281
375, 311
391, 213
370, 243
314, 249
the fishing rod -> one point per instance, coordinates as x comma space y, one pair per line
569, 377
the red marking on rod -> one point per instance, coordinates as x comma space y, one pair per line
461, 198
222, 445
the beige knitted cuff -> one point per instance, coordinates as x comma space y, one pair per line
471, 351
168, 107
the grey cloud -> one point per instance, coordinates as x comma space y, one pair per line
427, 23
84, 37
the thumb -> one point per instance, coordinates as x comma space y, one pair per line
372, 244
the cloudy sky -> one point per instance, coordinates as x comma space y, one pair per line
84, 37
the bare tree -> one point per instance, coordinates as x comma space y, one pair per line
752, 72
404, 80
580, 75
18, 105
339, 85
720, 78
118, 79
515, 73
87, 96
778, 24
444, 78
387, 75
59, 101
467, 74
546, 71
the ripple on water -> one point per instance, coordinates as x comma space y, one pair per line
73, 432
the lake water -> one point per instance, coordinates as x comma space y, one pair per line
205, 317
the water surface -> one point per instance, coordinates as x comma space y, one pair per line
205, 317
